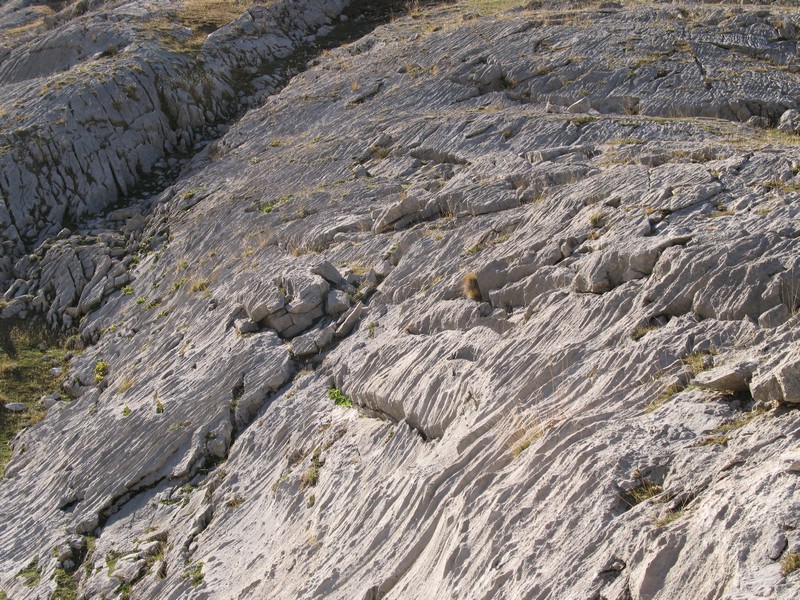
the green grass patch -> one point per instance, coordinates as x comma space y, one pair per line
112, 556
66, 586
25, 377
194, 573
31, 574
339, 399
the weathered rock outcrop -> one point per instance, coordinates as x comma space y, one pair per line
496, 306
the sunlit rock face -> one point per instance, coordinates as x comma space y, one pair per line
482, 301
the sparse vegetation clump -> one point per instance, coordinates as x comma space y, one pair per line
596, 220
198, 285
194, 573
31, 574
66, 586
27, 355
311, 475
790, 563
339, 399
126, 384
697, 362
112, 556
716, 440
100, 371
644, 489
641, 331
670, 517
471, 288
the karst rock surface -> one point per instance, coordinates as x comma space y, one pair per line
484, 304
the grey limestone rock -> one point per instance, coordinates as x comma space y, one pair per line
448, 311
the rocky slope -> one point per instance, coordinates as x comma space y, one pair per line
485, 304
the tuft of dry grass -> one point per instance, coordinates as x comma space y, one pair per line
206, 16
717, 440
471, 288
641, 331
668, 393
790, 563
697, 362
644, 490
490, 7
671, 516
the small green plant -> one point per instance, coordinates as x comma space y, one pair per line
310, 477
339, 399
155, 302
125, 590
179, 425
162, 314
195, 574
155, 557
112, 557
127, 290
268, 207
27, 355
100, 371
625, 141
372, 327
31, 574
183, 265
525, 442
277, 483
471, 288
720, 210
88, 563
126, 411
190, 193
141, 300
159, 404
790, 563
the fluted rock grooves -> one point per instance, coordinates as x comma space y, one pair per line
481, 301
